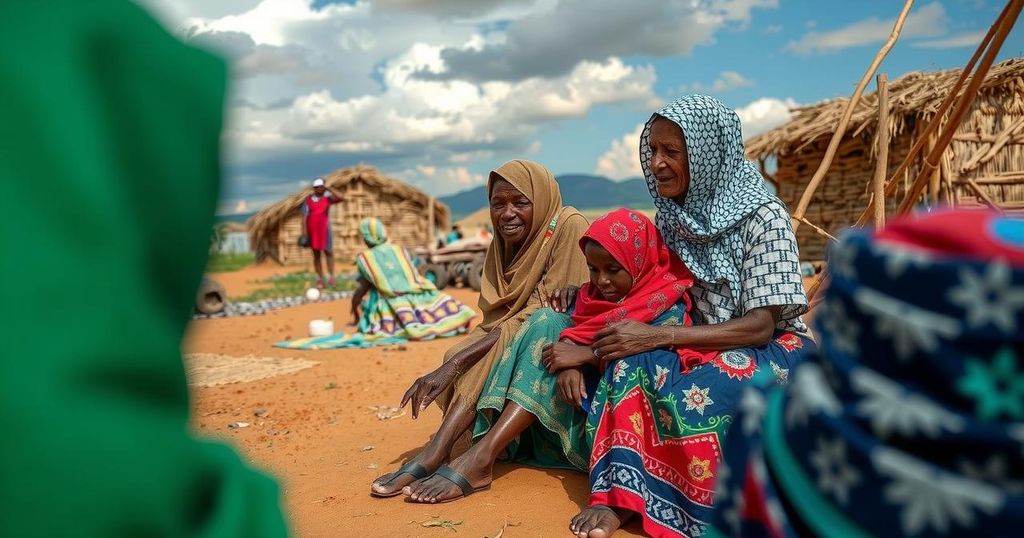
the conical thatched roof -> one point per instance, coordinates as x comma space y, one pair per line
264, 226
912, 97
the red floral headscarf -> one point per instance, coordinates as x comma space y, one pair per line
660, 279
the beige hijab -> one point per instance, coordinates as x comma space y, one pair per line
510, 279
515, 284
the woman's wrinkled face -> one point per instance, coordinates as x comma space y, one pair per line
607, 276
670, 163
511, 213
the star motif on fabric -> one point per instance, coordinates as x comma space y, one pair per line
697, 398
835, 475
930, 498
890, 408
996, 386
909, 327
899, 258
700, 470
989, 297
842, 332
781, 374
810, 393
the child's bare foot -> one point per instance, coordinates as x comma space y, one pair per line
598, 522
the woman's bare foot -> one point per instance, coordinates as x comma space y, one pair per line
475, 467
598, 521
391, 484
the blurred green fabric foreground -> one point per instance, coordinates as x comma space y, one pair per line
109, 172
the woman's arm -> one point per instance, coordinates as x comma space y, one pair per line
425, 389
362, 288
565, 354
335, 195
304, 212
754, 329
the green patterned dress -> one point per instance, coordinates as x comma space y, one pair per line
558, 439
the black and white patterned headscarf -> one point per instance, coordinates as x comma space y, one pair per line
724, 189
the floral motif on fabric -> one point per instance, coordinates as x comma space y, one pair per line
697, 398
789, 341
700, 470
619, 232
735, 364
660, 376
657, 304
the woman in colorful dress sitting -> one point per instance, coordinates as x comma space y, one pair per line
527, 411
716, 213
392, 303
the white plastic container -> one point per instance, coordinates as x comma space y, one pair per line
321, 327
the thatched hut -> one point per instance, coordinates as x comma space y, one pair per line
274, 231
984, 160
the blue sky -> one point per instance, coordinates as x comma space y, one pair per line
437, 93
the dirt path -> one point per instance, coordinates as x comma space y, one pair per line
317, 430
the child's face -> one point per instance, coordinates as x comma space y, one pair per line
610, 279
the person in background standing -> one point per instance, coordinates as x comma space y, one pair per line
316, 228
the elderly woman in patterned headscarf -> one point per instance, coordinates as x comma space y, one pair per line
715, 211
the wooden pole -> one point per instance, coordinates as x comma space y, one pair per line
982, 195
931, 161
431, 226
882, 151
893, 184
837, 137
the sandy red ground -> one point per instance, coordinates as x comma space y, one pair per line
316, 439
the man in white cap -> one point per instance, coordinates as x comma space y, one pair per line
316, 228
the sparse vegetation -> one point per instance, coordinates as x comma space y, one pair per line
293, 284
219, 262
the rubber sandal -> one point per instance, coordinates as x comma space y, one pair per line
454, 477
412, 469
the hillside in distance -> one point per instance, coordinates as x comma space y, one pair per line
579, 190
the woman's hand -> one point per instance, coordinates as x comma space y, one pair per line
627, 338
561, 355
560, 299
571, 386
427, 388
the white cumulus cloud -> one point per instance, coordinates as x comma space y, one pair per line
928, 21
764, 114
957, 41
622, 160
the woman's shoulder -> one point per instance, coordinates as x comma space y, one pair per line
773, 215
570, 218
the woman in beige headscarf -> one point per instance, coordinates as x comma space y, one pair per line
534, 253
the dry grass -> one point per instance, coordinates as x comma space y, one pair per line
913, 97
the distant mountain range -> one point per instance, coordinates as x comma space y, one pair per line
581, 191
234, 217
578, 190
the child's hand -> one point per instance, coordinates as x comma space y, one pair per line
571, 386
562, 355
